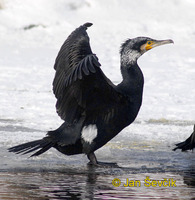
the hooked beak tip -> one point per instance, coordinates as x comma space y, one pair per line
166, 42
171, 41
162, 42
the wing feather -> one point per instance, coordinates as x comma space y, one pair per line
80, 86
91, 67
85, 67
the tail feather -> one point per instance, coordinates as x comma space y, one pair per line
188, 144
184, 146
29, 147
44, 149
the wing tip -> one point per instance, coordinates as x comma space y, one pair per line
87, 24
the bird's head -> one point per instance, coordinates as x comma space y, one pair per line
132, 49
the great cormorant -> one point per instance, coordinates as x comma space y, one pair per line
188, 144
93, 108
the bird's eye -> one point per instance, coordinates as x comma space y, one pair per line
149, 42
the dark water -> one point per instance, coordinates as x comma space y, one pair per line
146, 170
90, 183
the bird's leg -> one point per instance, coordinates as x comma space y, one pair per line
93, 160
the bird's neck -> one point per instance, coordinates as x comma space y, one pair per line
133, 80
129, 57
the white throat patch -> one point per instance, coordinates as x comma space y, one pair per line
89, 133
129, 57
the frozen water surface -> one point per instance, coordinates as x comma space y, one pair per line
31, 34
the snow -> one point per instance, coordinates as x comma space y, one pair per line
27, 58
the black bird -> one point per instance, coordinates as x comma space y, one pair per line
93, 108
188, 144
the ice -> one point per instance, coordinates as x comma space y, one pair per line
32, 32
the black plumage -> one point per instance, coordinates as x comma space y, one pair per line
93, 108
188, 144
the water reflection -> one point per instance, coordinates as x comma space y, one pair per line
91, 183
48, 185
189, 177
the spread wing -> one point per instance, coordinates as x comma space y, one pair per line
80, 86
